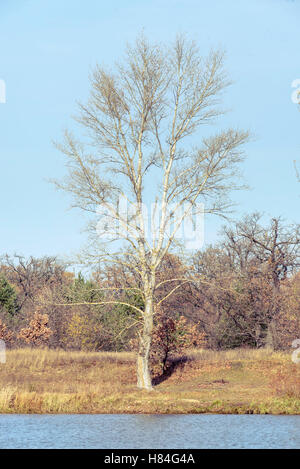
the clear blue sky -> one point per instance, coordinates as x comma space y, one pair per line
48, 48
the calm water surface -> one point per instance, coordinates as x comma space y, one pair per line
149, 431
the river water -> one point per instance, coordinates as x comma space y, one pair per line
149, 431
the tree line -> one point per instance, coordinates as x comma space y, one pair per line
241, 292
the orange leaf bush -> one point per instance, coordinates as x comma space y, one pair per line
38, 332
171, 336
5, 334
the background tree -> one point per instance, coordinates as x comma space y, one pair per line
140, 122
277, 248
93, 313
39, 281
30, 276
238, 296
8, 297
288, 320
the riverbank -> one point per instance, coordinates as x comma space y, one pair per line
233, 382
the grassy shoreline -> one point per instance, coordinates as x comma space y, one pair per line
233, 382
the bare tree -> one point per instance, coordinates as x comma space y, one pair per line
31, 275
141, 141
275, 247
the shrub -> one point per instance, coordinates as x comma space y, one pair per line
38, 332
5, 334
173, 336
85, 333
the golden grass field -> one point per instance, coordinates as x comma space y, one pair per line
237, 381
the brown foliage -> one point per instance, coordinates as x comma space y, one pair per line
173, 336
288, 321
37, 333
5, 334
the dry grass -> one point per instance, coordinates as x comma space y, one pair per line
235, 381
286, 381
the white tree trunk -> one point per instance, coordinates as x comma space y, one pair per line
143, 370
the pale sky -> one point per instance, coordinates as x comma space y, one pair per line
48, 49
